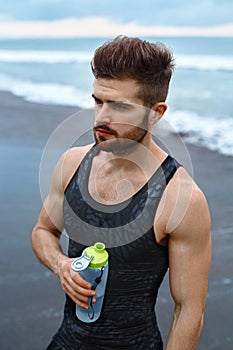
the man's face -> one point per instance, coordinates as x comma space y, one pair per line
121, 120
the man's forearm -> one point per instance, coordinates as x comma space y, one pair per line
47, 248
185, 331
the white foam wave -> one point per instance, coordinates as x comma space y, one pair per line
45, 92
205, 62
211, 132
35, 56
199, 62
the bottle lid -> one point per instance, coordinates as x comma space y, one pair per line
100, 255
81, 263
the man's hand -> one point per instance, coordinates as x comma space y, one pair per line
74, 285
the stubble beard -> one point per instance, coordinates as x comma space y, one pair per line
125, 143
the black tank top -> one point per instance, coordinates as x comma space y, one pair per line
137, 263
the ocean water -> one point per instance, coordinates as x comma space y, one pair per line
57, 71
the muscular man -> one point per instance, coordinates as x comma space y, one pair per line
130, 194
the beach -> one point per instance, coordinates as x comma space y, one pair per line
31, 296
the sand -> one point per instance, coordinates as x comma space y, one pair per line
31, 296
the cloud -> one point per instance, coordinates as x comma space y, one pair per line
102, 27
146, 12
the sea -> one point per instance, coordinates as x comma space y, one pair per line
57, 71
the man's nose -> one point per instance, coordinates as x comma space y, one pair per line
102, 114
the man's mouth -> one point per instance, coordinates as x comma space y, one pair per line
103, 131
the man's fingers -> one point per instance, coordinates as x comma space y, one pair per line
77, 293
78, 289
80, 300
79, 280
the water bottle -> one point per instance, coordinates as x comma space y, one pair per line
92, 265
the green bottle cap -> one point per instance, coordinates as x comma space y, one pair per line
99, 253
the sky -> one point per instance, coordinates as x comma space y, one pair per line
29, 17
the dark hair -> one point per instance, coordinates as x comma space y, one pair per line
149, 64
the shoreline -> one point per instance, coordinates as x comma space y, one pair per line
30, 124
32, 295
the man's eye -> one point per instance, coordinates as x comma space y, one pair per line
119, 106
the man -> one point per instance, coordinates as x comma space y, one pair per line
130, 194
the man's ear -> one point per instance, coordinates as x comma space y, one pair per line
157, 111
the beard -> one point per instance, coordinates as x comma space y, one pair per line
121, 144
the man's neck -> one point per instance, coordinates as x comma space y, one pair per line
147, 156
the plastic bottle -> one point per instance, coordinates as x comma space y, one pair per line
92, 265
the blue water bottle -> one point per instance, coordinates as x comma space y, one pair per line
92, 265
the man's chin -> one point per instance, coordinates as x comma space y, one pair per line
106, 145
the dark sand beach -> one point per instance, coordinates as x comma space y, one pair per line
31, 297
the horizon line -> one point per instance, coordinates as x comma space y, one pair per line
103, 27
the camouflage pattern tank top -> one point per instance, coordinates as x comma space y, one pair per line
137, 263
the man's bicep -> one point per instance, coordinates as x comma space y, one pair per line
51, 216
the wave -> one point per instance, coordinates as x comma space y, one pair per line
211, 132
34, 56
205, 62
198, 62
48, 93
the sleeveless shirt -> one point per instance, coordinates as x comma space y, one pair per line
137, 263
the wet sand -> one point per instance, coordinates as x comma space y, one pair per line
31, 297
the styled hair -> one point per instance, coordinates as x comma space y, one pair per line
149, 64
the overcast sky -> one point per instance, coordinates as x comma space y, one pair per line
75, 18
144, 12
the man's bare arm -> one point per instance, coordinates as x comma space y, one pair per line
189, 264
47, 232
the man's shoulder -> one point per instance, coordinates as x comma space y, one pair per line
184, 202
76, 154
185, 187
70, 161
